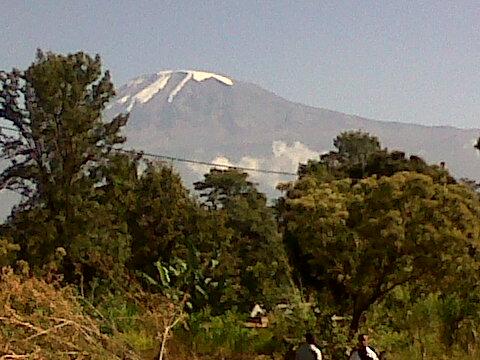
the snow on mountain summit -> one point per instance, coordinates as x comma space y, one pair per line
162, 79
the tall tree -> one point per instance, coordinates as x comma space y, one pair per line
220, 186
356, 241
352, 148
55, 156
359, 155
161, 218
259, 264
356, 146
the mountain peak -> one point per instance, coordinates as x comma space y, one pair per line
199, 75
160, 81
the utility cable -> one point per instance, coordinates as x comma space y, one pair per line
190, 161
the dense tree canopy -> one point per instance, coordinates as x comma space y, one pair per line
56, 105
259, 262
360, 155
220, 186
357, 242
354, 146
362, 220
55, 156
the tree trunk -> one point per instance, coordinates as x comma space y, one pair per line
355, 323
359, 308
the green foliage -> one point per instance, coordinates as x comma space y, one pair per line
289, 322
221, 185
177, 247
225, 336
359, 155
258, 264
356, 146
426, 325
7, 252
353, 148
56, 105
97, 246
356, 242
56, 160
159, 219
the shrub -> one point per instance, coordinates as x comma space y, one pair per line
40, 321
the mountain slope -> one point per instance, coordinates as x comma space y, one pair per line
212, 119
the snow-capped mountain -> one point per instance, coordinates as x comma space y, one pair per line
161, 81
214, 118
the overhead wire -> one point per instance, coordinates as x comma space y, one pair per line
191, 161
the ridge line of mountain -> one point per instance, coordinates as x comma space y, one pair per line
312, 107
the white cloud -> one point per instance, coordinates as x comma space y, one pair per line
284, 158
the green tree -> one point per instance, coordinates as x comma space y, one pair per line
352, 148
55, 158
161, 218
177, 247
413, 323
355, 146
356, 241
359, 155
258, 263
201, 264
220, 186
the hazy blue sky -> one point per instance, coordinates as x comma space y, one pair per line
411, 61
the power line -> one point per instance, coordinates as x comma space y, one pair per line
172, 158
191, 161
